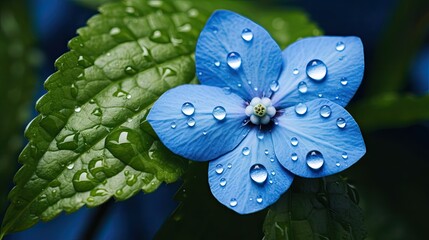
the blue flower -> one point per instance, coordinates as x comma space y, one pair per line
261, 115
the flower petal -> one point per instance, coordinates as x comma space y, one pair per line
344, 71
231, 176
322, 141
196, 132
260, 56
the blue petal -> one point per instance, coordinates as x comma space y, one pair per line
209, 137
261, 59
339, 147
230, 175
344, 70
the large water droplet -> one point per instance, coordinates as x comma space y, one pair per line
301, 109
259, 199
191, 122
234, 60
222, 182
188, 109
219, 113
69, 142
82, 181
325, 111
344, 81
294, 156
341, 123
219, 169
294, 141
247, 35
258, 173
302, 87
315, 160
316, 70
233, 202
340, 46
246, 151
96, 168
274, 86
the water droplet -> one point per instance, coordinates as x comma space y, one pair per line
222, 182
193, 12
294, 141
188, 109
315, 160
341, 58
266, 152
341, 123
344, 81
217, 63
77, 109
301, 109
247, 35
69, 142
320, 95
219, 113
99, 192
96, 168
316, 70
274, 86
259, 199
173, 125
70, 166
294, 156
97, 112
131, 180
82, 61
337, 164
214, 29
204, 132
246, 151
233, 202
229, 165
302, 87
219, 169
325, 111
82, 181
273, 173
249, 82
191, 122
258, 173
295, 71
227, 90
260, 135
115, 31
239, 85
340, 46
129, 70
234, 60
344, 155
272, 159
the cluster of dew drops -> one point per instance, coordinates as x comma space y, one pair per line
316, 70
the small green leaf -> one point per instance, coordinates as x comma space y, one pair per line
316, 209
91, 140
391, 111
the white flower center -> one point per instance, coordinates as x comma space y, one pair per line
260, 111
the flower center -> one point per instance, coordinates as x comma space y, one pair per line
260, 111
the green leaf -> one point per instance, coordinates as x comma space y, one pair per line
18, 62
201, 216
286, 25
391, 111
91, 140
316, 209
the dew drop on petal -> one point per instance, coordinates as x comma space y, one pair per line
295, 71
188, 109
337, 164
272, 159
233, 60
258, 173
341, 122
219, 169
259, 199
344, 155
325, 111
217, 63
316, 70
294, 156
229, 166
222, 182
274, 86
173, 125
191, 122
340, 46
315, 160
219, 113
247, 35
302, 87
266, 152
260, 135
246, 151
343, 81
227, 90
294, 141
233, 202
301, 109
